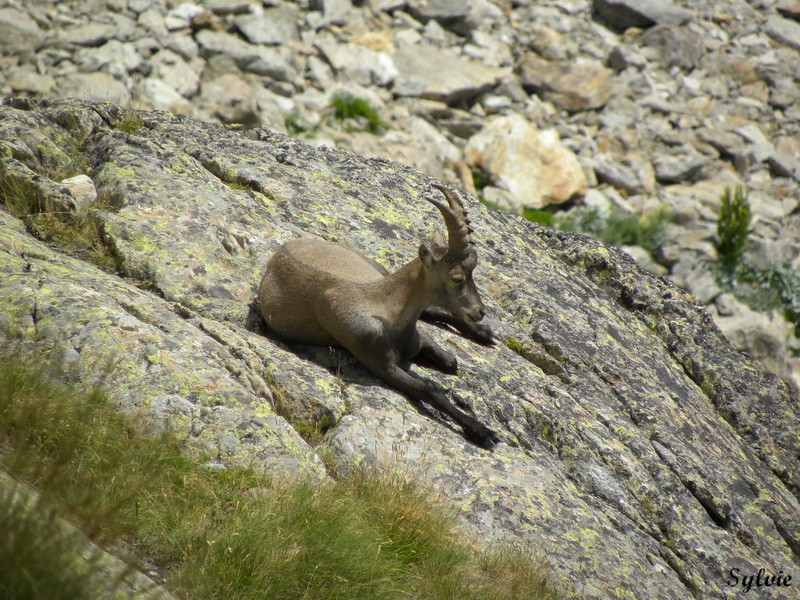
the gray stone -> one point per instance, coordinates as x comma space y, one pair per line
458, 16
26, 79
783, 93
413, 142
109, 26
360, 64
622, 14
92, 86
278, 63
229, 7
572, 86
765, 336
783, 31
180, 17
624, 56
675, 46
759, 147
152, 92
139, 6
645, 260
677, 169
274, 26
487, 49
618, 175
183, 45
82, 189
460, 123
702, 283
334, 12
785, 165
89, 34
114, 57
218, 42
182, 76
152, 21
727, 143
438, 74
789, 9
19, 32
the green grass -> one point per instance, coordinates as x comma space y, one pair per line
40, 558
348, 107
129, 122
618, 228
76, 232
234, 534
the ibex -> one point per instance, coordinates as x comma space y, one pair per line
319, 292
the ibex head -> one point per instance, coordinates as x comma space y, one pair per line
449, 265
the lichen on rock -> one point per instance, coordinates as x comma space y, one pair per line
640, 451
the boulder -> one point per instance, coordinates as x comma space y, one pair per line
530, 163
460, 16
580, 86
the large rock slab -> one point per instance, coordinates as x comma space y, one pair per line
640, 451
439, 74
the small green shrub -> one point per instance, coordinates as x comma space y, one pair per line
541, 217
130, 122
77, 232
733, 228
776, 287
349, 107
618, 228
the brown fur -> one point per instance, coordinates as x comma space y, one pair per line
318, 292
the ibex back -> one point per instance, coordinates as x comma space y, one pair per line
318, 292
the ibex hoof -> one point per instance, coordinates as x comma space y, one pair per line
483, 334
482, 436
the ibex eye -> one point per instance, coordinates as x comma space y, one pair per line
457, 278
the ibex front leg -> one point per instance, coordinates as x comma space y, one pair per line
477, 332
390, 370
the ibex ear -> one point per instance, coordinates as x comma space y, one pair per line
425, 256
437, 239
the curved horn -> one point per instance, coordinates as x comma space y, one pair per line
455, 217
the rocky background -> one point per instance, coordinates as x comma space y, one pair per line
640, 453
626, 106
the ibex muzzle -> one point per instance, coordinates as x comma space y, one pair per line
318, 292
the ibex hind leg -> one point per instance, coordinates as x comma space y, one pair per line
431, 353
